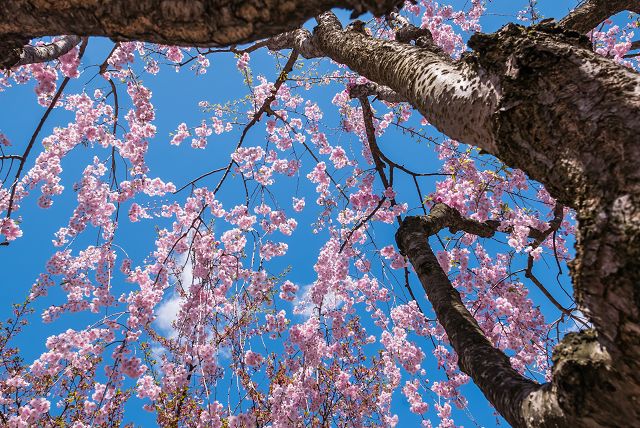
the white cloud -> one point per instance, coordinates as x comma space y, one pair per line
572, 325
167, 311
305, 307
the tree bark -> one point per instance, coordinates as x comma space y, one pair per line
37, 54
591, 13
175, 22
537, 98
587, 389
541, 92
489, 367
452, 96
542, 101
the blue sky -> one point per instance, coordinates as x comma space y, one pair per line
176, 97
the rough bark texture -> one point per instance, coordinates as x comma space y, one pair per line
582, 116
540, 92
175, 22
576, 115
588, 388
540, 100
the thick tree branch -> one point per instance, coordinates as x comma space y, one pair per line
518, 76
202, 23
584, 374
590, 13
36, 54
489, 367
437, 87
538, 98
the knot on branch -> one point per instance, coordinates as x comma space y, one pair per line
583, 372
300, 40
409, 225
410, 33
578, 348
357, 26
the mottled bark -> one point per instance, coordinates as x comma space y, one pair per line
591, 13
576, 116
543, 92
50, 51
454, 95
174, 22
412, 72
541, 100
538, 98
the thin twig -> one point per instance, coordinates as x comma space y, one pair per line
35, 134
265, 105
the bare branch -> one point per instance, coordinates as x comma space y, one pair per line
206, 174
590, 13
266, 106
554, 225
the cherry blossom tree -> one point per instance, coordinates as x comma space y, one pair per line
535, 128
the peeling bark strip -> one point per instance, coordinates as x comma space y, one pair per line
175, 22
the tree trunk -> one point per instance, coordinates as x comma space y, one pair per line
173, 22
542, 101
537, 98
